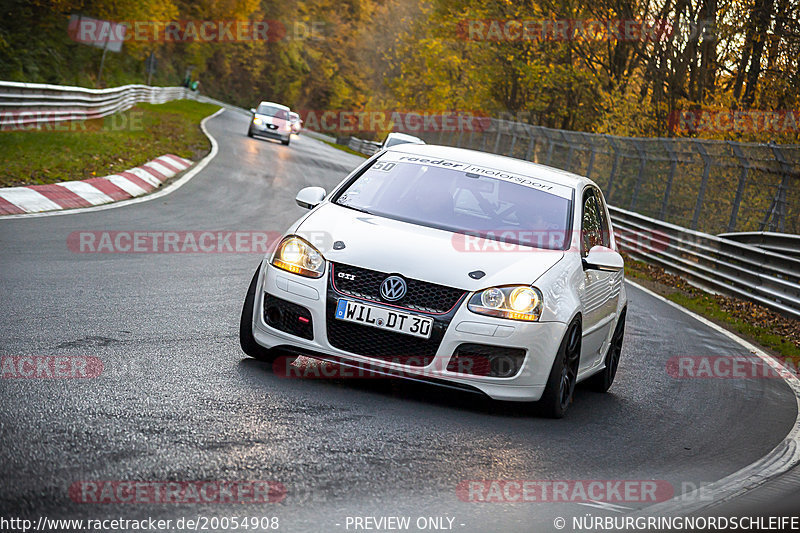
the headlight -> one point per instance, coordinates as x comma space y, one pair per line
256, 120
299, 257
515, 302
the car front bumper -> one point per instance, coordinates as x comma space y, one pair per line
263, 131
540, 340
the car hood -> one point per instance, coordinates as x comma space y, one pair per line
419, 252
271, 120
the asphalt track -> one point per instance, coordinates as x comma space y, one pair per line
178, 401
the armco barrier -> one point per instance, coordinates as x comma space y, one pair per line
28, 104
715, 263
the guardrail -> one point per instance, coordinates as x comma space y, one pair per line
713, 263
31, 104
363, 147
782, 243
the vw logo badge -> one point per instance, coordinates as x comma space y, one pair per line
393, 288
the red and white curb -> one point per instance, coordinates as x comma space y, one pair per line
95, 191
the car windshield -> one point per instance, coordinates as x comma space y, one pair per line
463, 198
272, 111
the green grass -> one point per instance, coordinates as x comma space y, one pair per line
344, 148
85, 149
706, 305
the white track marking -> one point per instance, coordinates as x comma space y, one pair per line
146, 176
28, 200
174, 186
178, 162
158, 167
87, 191
780, 460
126, 185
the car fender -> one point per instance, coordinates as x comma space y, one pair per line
559, 286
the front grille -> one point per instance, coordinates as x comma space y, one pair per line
381, 344
287, 316
486, 360
420, 296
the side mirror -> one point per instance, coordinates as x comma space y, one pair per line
602, 258
253, 110
310, 197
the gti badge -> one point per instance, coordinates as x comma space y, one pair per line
393, 288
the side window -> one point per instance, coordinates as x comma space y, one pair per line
601, 206
592, 226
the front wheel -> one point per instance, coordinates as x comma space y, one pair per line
564, 374
602, 381
246, 339
250, 131
286, 142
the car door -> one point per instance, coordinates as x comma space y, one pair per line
614, 278
597, 288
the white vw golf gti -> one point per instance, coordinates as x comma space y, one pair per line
456, 267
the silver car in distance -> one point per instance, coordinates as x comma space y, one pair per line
451, 266
271, 120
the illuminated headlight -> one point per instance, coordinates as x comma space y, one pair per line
257, 120
299, 257
515, 302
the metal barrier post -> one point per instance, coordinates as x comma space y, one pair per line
513, 142
737, 151
640, 175
701, 149
569, 152
673, 164
531, 144
776, 216
592, 155
614, 166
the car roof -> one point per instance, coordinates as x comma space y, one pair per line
497, 162
273, 104
398, 135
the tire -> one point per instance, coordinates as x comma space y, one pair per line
246, 339
286, 142
560, 386
250, 131
603, 380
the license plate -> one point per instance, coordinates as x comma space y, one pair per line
382, 318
